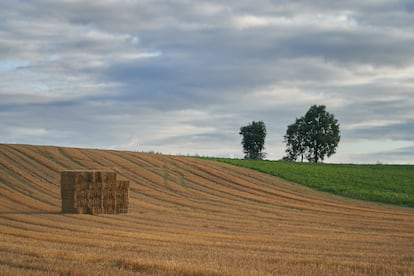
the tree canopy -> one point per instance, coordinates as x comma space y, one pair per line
313, 136
253, 140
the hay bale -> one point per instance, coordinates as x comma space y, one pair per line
93, 192
67, 185
122, 196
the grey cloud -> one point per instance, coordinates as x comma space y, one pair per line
398, 131
119, 67
403, 155
377, 48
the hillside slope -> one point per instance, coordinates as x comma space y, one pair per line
190, 216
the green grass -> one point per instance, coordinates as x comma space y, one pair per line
393, 184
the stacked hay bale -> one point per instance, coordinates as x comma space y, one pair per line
69, 191
93, 192
122, 197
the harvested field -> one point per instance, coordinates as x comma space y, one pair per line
190, 217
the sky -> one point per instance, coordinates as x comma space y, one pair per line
182, 77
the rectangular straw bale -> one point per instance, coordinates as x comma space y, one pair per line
68, 192
107, 190
122, 198
93, 192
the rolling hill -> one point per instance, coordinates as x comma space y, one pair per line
190, 216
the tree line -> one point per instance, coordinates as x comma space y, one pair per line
313, 136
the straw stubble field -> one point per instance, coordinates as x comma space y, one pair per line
191, 217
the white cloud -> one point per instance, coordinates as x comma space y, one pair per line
372, 123
209, 9
135, 56
342, 20
19, 132
283, 96
184, 76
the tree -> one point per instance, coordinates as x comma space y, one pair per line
295, 141
253, 140
314, 135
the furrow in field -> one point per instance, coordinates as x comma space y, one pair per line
37, 179
179, 195
332, 204
190, 216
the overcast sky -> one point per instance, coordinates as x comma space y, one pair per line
182, 77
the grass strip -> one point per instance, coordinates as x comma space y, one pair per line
393, 184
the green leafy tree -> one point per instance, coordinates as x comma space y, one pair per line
253, 140
315, 136
295, 141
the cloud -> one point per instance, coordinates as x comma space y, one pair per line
399, 131
341, 20
402, 155
184, 76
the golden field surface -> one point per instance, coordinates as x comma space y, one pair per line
189, 216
